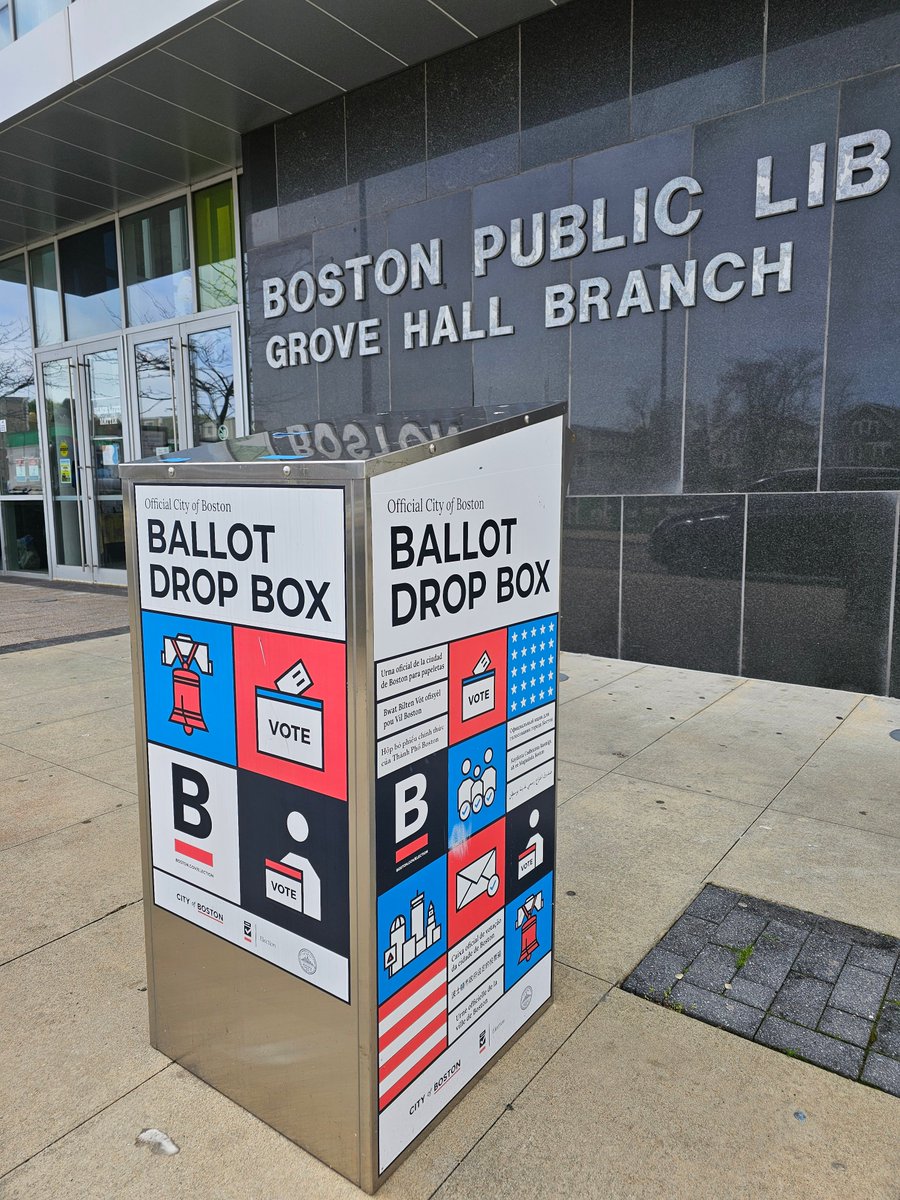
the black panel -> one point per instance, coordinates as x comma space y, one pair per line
312, 170
532, 364
681, 581
15, 170
695, 61
311, 152
818, 589
575, 68
628, 372
310, 37
286, 394
754, 376
360, 383
862, 402
152, 161
484, 18
129, 106
473, 113
592, 539
811, 42
225, 53
259, 200
433, 376
33, 218
162, 75
411, 29
69, 156
386, 141
63, 208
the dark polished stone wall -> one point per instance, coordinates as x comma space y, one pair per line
733, 504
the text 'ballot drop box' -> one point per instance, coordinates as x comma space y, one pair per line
346, 646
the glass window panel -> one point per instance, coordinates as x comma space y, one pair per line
157, 265
45, 297
24, 537
215, 249
65, 458
30, 13
20, 463
104, 411
155, 376
5, 28
212, 385
90, 282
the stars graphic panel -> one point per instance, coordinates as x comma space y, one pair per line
532, 662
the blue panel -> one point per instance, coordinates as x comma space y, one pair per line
419, 936
534, 937
476, 784
531, 681
196, 714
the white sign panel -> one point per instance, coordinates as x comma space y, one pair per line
269, 558
465, 592
467, 541
243, 618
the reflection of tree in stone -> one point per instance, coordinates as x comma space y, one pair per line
650, 425
762, 418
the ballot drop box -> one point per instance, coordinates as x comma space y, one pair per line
346, 646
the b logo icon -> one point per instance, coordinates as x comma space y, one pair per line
410, 814
411, 826
410, 807
190, 794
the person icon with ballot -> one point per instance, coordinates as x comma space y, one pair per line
292, 880
533, 855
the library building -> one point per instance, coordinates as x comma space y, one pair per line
350, 221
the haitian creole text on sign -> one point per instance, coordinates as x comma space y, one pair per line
561, 233
465, 562
243, 614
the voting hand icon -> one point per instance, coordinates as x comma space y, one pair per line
477, 878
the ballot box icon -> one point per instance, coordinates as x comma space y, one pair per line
290, 725
478, 692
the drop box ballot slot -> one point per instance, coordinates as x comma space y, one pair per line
346, 646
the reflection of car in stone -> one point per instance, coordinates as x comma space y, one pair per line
788, 538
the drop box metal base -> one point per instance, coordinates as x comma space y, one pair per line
345, 650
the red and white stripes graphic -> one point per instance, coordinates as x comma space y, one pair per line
412, 1031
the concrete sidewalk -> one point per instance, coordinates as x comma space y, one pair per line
669, 779
46, 612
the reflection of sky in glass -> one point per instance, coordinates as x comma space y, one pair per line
90, 280
30, 13
45, 294
156, 263
160, 299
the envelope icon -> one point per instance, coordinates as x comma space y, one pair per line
477, 878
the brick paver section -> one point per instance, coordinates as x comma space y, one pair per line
811, 987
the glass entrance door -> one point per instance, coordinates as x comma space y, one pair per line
86, 437
186, 384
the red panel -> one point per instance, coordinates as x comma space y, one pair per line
260, 658
465, 656
476, 869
